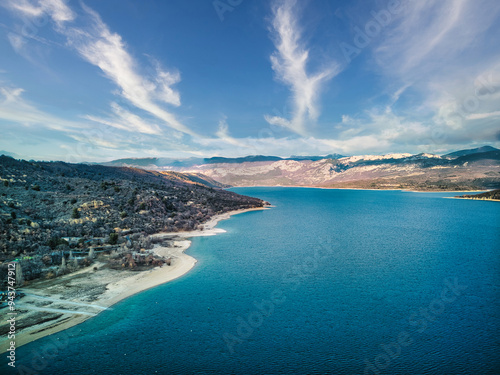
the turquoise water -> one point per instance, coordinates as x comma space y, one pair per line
326, 282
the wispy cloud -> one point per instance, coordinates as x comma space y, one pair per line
17, 42
223, 133
289, 63
56, 9
125, 120
480, 116
439, 53
76, 141
106, 50
435, 41
14, 108
101, 47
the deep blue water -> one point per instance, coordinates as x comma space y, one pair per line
326, 282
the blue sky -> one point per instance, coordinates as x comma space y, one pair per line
97, 80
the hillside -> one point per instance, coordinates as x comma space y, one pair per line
49, 209
489, 195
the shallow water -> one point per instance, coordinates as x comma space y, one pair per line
326, 282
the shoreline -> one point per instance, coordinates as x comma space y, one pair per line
340, 188
69, 309
477, 199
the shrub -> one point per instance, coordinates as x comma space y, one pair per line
6, 183
123, 214
13, 215
73, 201
56, 241
36, 187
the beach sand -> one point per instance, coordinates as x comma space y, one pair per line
54, 305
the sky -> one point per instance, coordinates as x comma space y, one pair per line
97, 80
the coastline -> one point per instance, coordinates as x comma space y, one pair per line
51, 306
341, 188
477, 199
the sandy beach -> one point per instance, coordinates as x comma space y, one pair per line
478, 199
50, 306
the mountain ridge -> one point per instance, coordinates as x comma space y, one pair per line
470, 169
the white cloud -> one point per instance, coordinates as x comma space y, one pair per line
58, 11
106, 50
126, 120
429, 36
223, 133
439, 54
278, 121
163, 90
481, 116
98, 45
289, 62
13, 108
17, 42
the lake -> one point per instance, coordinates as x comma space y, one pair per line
325, 282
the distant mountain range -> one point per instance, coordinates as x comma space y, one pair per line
478, 150
169, 163
471, 169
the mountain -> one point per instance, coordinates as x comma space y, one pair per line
392, 171
252, 158
460, 170
478, 150
7, 153
315, 158
154, 163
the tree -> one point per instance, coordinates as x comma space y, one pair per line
76, 213
6, 183
13, 215
113, 238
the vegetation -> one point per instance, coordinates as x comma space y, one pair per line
113, 238
489, 195
75, 214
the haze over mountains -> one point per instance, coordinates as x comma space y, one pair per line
477, 168
169, 163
